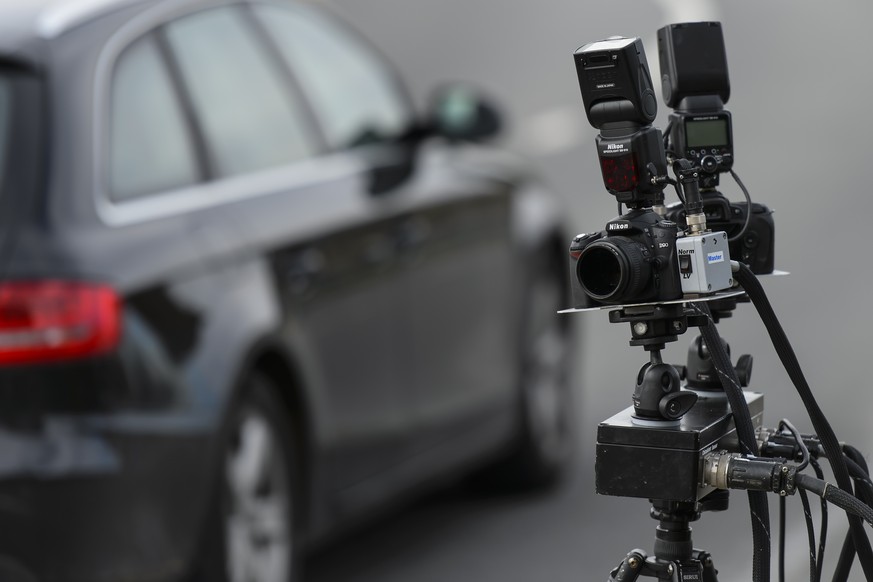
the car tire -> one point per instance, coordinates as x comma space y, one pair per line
251, 530
541, 450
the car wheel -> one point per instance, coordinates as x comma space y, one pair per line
547, 403
542, 447
252, 536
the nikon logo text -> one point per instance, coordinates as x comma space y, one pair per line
614, 146
617, 226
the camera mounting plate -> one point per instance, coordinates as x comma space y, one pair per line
685, 299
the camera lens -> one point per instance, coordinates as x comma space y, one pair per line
613, 270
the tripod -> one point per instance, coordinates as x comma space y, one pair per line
654, 448
675, 558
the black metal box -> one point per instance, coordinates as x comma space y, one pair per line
665, 462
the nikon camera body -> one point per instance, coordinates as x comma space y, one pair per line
634, 260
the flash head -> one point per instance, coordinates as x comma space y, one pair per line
693, 65
616, 85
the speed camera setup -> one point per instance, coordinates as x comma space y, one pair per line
692, 432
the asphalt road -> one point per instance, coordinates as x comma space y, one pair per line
801, 86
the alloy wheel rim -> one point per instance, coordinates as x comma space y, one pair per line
545, 374
258, 532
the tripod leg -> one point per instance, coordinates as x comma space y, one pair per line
630, 568
710, 574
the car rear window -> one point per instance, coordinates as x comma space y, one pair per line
152, 150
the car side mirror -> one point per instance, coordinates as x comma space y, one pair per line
460, 113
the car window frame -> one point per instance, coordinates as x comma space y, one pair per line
212, 191
393, 73
190, 128
288, 86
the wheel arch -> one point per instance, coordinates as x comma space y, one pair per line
270, 359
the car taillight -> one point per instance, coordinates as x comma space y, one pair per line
45, 321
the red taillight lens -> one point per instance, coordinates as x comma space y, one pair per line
44, 321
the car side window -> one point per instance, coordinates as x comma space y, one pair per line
150, 147
352, 91
249, 117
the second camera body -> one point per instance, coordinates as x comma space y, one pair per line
755, 246
695, 83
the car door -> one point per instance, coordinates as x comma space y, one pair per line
306, 217
452, 232
461, 315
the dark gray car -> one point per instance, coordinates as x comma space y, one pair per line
247, 295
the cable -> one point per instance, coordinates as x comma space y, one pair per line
863, 485
666, 137
748, 211
801, 449
857, 466
814, 569
823, 525
782, 503
835, 495
856, 463
829, 440
810, 534
679, 194
804, 452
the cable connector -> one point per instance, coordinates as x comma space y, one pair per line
774, 443
687, 174
658, 179
724, 470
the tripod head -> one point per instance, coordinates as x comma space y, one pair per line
658, 398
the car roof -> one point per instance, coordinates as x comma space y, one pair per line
25, 24
50, 18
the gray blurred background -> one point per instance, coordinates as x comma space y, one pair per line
801, 103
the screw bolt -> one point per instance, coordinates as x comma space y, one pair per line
633, 562
670, 569
640, 328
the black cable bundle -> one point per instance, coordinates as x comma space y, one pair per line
829, 441
864, 491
